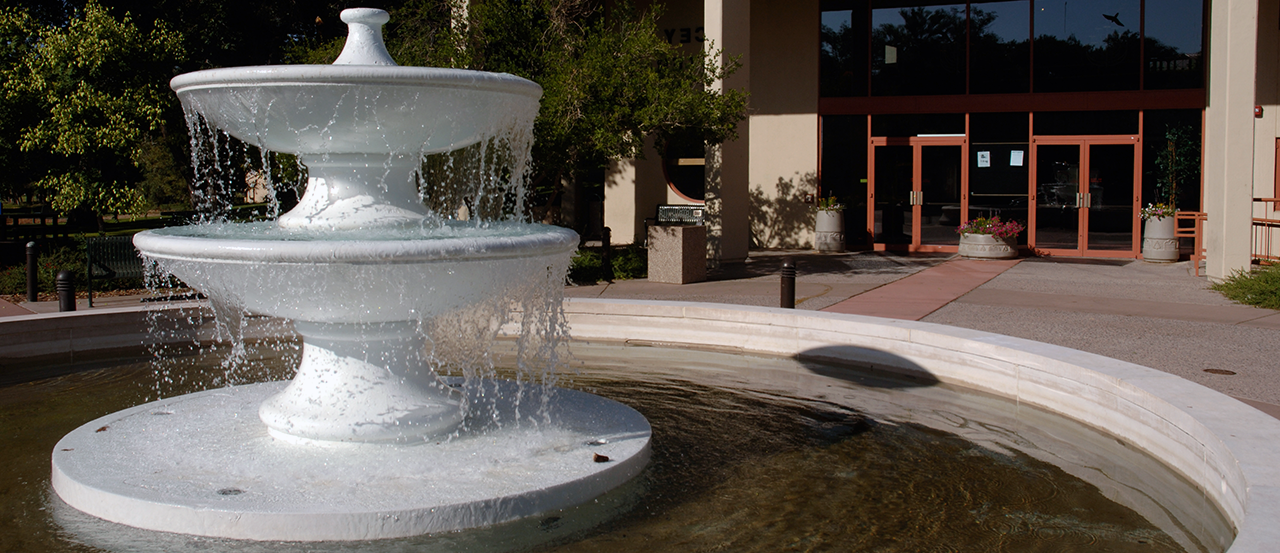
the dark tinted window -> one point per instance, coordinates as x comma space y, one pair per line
1000, 47
843, 56
1087, 45
917, 50
1175, 35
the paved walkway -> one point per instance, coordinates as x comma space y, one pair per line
1157, 315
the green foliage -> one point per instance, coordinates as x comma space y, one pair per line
1259, 288
609, 80
629, 262
97, 88
13, 279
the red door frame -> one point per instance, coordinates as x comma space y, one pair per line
1084, 141
916, 143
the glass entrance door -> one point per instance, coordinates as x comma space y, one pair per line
938, 196
917, 192
1058, 197
1085, 202
893, 194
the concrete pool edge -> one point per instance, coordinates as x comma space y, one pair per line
1222, 445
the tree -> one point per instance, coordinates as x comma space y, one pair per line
609, 80
97, 92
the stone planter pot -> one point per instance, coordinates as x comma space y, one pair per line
1159, 245
986, 246
830, 231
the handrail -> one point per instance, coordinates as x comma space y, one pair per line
1266, 232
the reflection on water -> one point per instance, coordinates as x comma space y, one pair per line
749, 454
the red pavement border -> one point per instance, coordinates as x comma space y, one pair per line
10, 310
915, 297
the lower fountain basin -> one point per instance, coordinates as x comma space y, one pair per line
202, 464
370, 276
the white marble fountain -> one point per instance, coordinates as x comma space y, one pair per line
367, 441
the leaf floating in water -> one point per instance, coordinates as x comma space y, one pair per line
103, 429
599, 458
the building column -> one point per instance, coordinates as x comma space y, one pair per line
728, 30
1229, 136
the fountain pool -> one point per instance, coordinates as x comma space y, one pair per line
743, 444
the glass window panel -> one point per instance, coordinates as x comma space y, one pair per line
917, 50
1077, 123
917, 124
1086, 45
843, 56
1000, 43
1175, 35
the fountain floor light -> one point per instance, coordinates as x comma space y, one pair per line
366, 441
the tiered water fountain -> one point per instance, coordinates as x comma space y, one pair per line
366, 441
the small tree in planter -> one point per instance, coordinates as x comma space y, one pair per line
989, 238
1176, 163
829, 225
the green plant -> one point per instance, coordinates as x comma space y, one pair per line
1259, 288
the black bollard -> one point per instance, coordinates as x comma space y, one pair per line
606, 253
33, 278
66, 291
788, 283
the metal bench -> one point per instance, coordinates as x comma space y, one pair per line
111, 257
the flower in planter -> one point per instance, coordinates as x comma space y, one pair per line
993, 226
1158, 211
829, 203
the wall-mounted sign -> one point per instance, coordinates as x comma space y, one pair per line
685, 35
984, 159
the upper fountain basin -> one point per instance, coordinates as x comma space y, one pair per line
368, 276
357, 109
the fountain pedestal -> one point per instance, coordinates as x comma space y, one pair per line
364, 383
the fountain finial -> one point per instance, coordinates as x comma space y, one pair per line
364, 38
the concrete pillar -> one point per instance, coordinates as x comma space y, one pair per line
728, 29
1229, 135
621, 213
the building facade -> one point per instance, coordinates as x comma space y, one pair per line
918, 115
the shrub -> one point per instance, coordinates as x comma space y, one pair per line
629, 262
1260, 288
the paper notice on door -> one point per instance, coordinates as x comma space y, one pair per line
984, 159
1015, 158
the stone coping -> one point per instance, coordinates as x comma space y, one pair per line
1224, 446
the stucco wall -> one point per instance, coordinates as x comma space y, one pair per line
784, 123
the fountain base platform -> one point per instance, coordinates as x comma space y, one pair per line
204, 464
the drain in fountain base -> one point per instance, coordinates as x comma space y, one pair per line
204, 464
